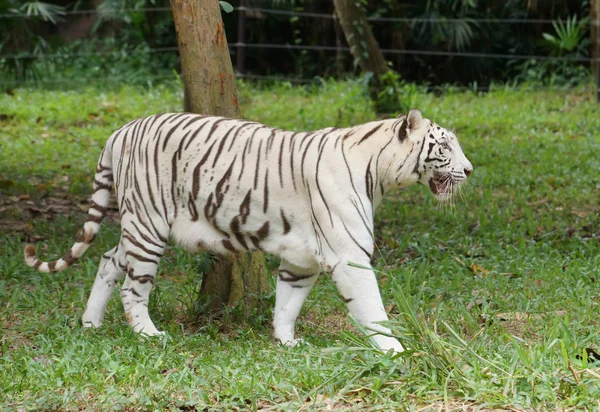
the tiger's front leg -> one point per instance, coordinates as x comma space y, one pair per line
293, 286
359, 290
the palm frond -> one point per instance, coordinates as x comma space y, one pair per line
46, 11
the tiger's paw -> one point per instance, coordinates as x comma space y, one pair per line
148, 330
90, 323
293, 342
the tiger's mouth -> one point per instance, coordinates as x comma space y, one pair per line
441, 185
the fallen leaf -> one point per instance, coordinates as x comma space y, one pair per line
44, 360
35, 238
478, 302
478, 270
580, 213
459, 261
518, 316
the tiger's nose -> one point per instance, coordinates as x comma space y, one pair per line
468, 172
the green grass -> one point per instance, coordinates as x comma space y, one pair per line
509, 335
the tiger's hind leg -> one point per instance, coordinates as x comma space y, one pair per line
293, 286
141, 268
110, 272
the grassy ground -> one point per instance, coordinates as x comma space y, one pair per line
497, 296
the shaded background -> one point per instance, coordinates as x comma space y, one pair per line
461, 42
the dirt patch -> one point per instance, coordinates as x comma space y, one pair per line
17, 213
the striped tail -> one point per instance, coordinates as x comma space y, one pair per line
103, 182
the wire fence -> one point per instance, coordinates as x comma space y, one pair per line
407, 19
303, 14
241, 45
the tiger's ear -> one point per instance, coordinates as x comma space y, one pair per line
412, 121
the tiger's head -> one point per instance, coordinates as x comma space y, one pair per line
440, 164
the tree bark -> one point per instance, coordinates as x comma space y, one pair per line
209, 84
595, 41
359, 36
363, 46
210, 88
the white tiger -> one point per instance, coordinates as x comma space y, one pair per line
212, 183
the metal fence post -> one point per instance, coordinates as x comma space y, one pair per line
241, 40
595, 40
598, 69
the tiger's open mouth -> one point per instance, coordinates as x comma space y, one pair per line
441, 184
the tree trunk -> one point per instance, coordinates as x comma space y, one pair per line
359, 36
209, 88
595, 37
363, 46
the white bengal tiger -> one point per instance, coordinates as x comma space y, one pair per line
212, 183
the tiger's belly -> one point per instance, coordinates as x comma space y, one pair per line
296, 246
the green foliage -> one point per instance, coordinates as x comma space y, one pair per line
456, 35
46, 11
20, 39
440, 26
569, 37
569, 41
395, 95
495, 296
227, 8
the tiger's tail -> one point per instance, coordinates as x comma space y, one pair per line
103, 182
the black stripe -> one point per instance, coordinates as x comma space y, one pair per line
352, 183
356, 242
144, 236
168, 118
195, 118
197, 171
220, 149
369, 181
368, 134
235, 229
237, 132
304, 157
293, 277
129, 236
213, 128
243, 159
170, 133
192, 208
98, 185
140, 258
316, 220
138, 191
286, 224
245, 206
270, 140
257, 165
321, 147
197, 132
266, 192
416, 168
292, 146
141, 278
281, 161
